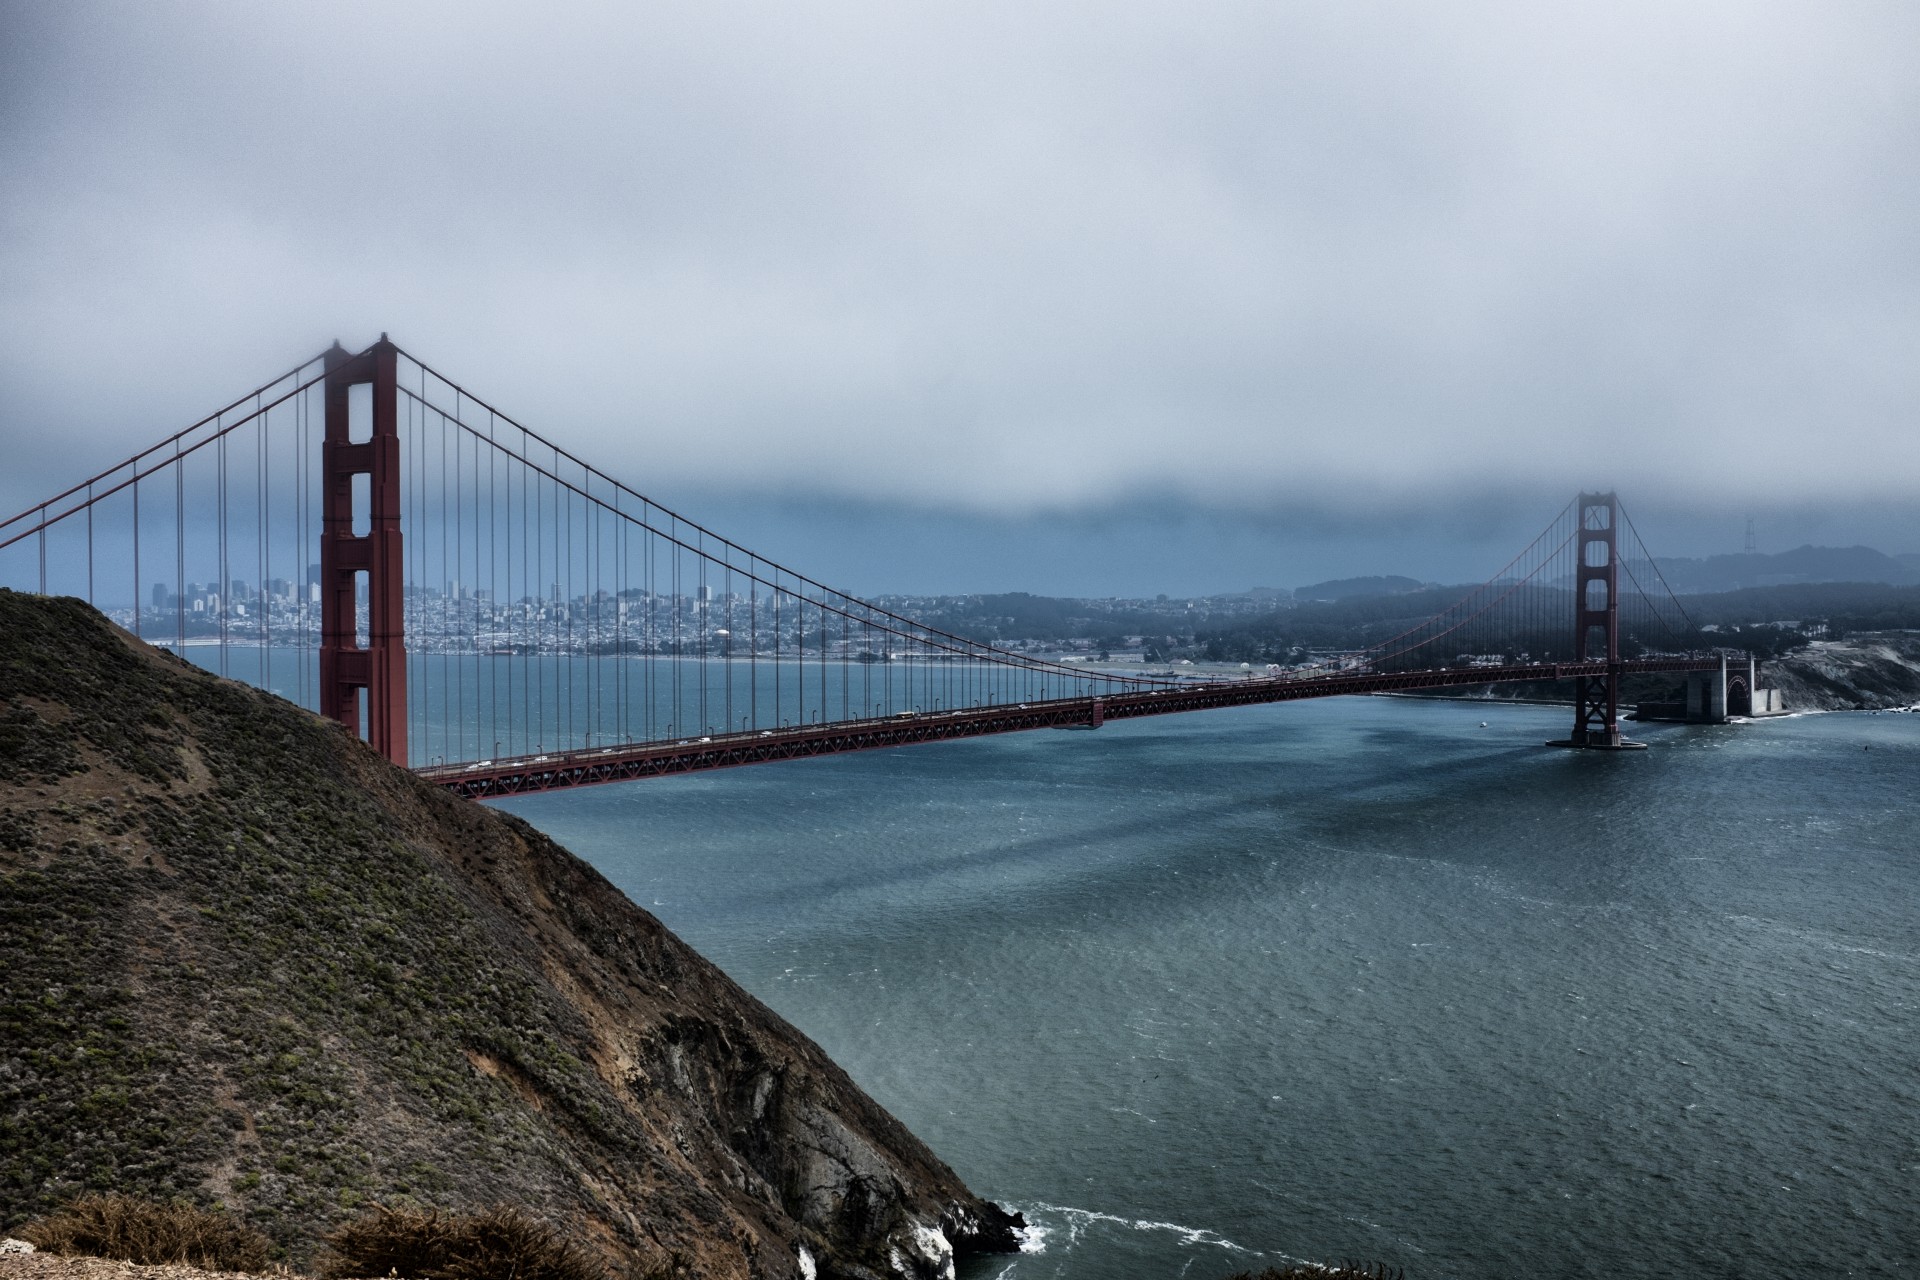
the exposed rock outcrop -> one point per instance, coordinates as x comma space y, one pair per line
1870, 671
244, 958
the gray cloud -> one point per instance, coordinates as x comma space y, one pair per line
999, 260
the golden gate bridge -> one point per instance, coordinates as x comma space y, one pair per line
487, 608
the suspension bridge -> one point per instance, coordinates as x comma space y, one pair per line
377, 542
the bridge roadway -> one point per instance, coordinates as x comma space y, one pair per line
518, 775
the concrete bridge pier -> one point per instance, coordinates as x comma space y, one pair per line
1712, 697
1715, 697
1705, 698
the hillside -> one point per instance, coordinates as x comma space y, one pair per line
243, 958
1871, 671
1356, 589
1808, 564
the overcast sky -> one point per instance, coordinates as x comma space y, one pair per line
1084, 298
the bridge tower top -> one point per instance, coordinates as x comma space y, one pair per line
1597, 607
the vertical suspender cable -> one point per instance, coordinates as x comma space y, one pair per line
226, 580
446, 523
261, 510
646, 634
514, 657
596, 615
621, 531
726, 649
566, 494
526, 592
413, 560
482, 571
420, 687
179, 551
299, 535
459, 722
746, 631
678, 723
493, 585
704, 608
540, 630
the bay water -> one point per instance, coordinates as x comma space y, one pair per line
1365, 978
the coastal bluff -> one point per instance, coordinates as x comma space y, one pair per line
243, 959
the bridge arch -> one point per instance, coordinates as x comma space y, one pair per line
1739, 696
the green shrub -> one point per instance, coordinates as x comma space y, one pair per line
428, 1244
131, 1230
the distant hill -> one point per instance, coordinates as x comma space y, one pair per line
1801, 565
1356, 588
244, 958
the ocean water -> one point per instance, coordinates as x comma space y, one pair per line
1356, 979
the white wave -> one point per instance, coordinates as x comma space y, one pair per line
1078, 1221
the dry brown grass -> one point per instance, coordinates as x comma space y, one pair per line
144, 1231
428, 1244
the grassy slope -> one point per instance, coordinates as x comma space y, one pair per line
243, 959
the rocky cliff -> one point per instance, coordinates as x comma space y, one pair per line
1870, 671
244, 959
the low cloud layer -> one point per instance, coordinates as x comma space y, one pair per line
999, 260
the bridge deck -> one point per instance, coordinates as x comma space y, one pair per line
548, 772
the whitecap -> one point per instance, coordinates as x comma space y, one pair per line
1079, 1220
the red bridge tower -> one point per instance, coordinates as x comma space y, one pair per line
378, 671
1596, 608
